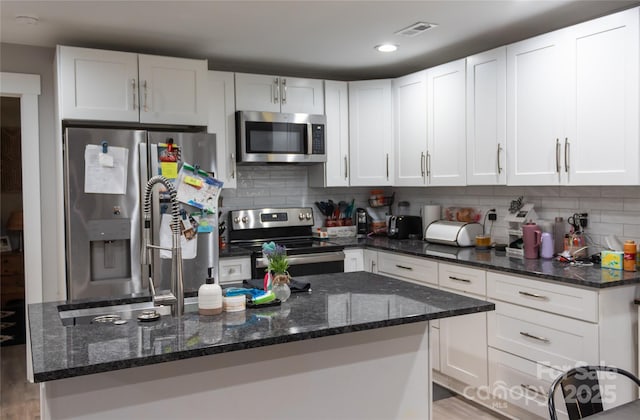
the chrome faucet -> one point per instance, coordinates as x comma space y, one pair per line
176, 297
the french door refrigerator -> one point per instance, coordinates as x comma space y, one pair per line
105, 173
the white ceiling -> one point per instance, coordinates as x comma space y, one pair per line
327, 39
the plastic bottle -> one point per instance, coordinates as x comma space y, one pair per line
210, 298
629, 262
546, 249
558, 235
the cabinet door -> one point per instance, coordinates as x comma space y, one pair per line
410, 129
463, 348
335, 172
301, 95
222, 108
97, 84
173, 90
353, 260
535, 109
486, 118
257, 92
370, 261
447, 156
370, 133
602, 145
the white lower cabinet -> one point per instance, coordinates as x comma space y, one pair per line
353, 260
370, 261
233, 270
412, 269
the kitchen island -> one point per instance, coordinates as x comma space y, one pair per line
357, 346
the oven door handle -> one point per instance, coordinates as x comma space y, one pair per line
320, 257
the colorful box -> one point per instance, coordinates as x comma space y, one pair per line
611, 259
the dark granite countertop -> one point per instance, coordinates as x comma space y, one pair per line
231, 251
338, 304
589, 276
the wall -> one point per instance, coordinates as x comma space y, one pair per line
37, 60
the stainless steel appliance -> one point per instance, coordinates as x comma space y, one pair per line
405, 227
453, 233
280, 138
291, 227
103, 225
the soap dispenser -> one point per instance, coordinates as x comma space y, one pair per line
210, 297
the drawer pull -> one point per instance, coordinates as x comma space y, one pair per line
533, 295
533, 389
535, 337
404, 267
459, 279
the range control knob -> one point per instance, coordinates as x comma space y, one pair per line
308, 216
236, 220
245, 219
301, 216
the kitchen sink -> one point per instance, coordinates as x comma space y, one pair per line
119, 314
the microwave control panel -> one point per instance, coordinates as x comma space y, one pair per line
317, 139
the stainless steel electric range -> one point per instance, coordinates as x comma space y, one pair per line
291, 227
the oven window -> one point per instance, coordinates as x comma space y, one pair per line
273, 137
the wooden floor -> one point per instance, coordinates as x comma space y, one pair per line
19, 399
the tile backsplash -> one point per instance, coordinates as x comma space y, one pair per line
612, 210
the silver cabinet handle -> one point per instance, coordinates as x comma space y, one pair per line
404, 267
233, 165
146, 88
535, 337
422, 163
135, 94
373, 265
284, 91
499, 150
566, 154
459, 279
276, 90
533, 389
558, 155
533, 295
346, 166
428, 164
387, 166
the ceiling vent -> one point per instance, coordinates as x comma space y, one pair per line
416, 29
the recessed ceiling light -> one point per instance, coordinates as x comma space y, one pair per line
386, 47
27, 20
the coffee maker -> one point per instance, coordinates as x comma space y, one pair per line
362, 222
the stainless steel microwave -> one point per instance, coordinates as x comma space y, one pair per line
280, 138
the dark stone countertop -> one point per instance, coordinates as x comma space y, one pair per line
231, 251
589, 276
374, 301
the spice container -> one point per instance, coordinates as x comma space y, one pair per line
629, 249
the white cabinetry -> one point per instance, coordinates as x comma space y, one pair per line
259, 92
370, 133
463, 340
353, 260
404, 267
222, 123
370, 261
446, 133
573, 105
120, 86
486, 118
410, 129
234, 269
335, 172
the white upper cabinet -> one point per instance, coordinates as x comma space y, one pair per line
572, 105
410, 129
120, 86
370, 133
259, 92
486, 118
222, 122
446, 133
335, 172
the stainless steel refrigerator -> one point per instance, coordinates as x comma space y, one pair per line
106, 171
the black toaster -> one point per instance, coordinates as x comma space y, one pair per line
405, 227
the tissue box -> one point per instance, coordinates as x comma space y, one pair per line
611, 259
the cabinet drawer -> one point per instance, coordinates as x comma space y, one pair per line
12, 263
545, 338
556, 298
234, 269
523, 383
408, 268
12, 282
463, 279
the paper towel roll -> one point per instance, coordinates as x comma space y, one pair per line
430, 213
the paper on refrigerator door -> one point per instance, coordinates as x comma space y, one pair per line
189, 247
102, 178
